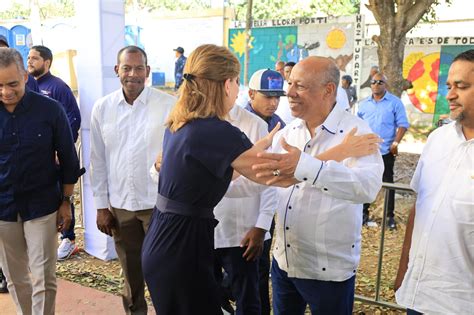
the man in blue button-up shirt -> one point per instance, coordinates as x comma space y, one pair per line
385, 114
34, 130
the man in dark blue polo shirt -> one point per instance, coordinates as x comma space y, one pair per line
40, 59
33, 131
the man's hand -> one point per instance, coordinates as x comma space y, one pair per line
394, 148
105, 221
253, 240
64, 216
285, 163
159, 158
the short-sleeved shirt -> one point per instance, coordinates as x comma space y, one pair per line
197, 159
384, 117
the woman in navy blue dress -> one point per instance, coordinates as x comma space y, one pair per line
200, 150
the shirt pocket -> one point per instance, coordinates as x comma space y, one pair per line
38, 137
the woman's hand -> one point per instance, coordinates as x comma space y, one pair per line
266, 141
352, 146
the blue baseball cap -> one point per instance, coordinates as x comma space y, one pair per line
267, 82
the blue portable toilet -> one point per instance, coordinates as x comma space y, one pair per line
5, 32
158, 78
20, 39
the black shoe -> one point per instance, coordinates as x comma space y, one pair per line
391, 224
3, 283
365, 218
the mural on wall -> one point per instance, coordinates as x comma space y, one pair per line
294, 43
267, 45
421, 69
426, 67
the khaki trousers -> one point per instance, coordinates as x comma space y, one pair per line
25, 247
129, 234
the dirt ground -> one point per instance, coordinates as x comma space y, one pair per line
106, 276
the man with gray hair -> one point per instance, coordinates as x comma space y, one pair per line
318, 230
34, 130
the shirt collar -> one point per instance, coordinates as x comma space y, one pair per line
333, 119
384, 97
458, 129
142, 98
331, 122
44, 77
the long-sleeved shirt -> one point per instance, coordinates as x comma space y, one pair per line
237, 215
384, 117
58, 90
30, 137
125, 141
440, 278
319, 220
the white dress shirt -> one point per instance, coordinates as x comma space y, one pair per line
125, 140
238, 214
440, 275
319, 220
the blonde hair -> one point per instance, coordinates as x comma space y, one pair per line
202, 93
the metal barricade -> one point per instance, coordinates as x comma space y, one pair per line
376, 300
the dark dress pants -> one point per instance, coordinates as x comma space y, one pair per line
243, 277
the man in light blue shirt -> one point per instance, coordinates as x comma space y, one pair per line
385, 114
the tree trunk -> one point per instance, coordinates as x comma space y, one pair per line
395, 18
390, 50
248, 26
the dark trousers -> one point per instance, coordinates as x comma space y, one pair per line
388, 162
243, 277
128, 237
413, 312
69, 233
178, 265
290, 295
263, 278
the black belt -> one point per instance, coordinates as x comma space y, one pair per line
164, 204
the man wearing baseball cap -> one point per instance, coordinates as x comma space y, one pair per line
265, 89
179, 67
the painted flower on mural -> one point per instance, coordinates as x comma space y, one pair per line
237, 43
422, 71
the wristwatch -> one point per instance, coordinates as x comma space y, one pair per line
395, 143
69, 199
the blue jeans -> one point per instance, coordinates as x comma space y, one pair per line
69, 233
244, 278
413, 312
290, 295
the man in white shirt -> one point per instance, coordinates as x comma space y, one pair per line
318, 231
436, 272
244, 222
127, 128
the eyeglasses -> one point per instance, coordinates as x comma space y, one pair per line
379, 82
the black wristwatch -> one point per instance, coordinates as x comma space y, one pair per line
69, 199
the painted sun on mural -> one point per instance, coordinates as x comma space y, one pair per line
238, 43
